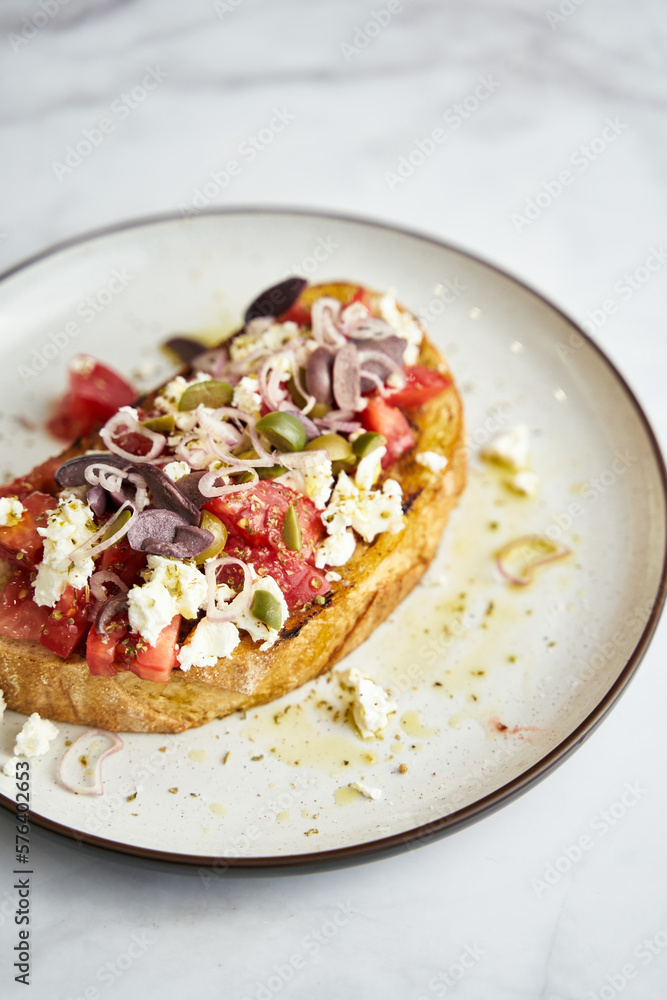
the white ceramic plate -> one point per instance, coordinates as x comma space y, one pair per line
495, 684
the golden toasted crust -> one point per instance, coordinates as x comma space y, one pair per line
376, 579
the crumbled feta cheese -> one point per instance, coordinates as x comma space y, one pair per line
210, 642
366, 790
432, 460
256, 629
172, 588
404, 325
371, 706
510, 448
261, 333
34, 738
527, 483
319, 481
332, 576
3, 704
336, 549
246, 397
369, 512
11, 511
169, 397
369, 469
176, 470
9, 767
67, 527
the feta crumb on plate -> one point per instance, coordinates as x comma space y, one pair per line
366, 790
371, 705
9, 767
34, 738
527, 483
11, 511
510, 448
431, 460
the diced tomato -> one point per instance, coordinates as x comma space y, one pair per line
40, 478
67, 623
257, 515
95, 393
124, 561
422, 384
361, 295
101, 653
378, 416
20, 617
297, 313
20, 542
151, 663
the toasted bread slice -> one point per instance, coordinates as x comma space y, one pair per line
375, 580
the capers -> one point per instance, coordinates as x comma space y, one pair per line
283, 430
266, 608
291, 530
213, 524
368, 442
163, 424
209, 393
337, 447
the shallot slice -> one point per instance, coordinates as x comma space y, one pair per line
241, 602
123, 422
80, 769
519, 559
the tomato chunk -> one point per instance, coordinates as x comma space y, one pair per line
67, 623
101, 653
124, 561
20, 617
21, 542
387, 420
257, 515
422, 384
297, 313
95, 393
151, 663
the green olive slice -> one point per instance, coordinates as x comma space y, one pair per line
368, 442
213, 524
292, 529
283, 430
337, 447
266, 608
162, 424
115, 524
271, 471
209, 393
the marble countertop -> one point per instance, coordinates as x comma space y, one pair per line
544, 139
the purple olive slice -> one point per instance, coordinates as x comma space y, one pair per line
346, 371
319, 371
276, 300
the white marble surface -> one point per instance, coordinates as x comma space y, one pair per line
220, 71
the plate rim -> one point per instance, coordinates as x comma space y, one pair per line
480, 808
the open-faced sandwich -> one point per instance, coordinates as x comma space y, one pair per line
236, 532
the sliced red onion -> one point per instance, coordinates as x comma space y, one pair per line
90, 550
270, 380
125, 423
80, 769
107, 476
111, 607
215, 363
241, 602
325, 314
373, 328
353, 316
346, 377
310, 427
102, 577
339, 421
275, 300
221, 430
209, 489
196, 458
381, 363
544, 550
